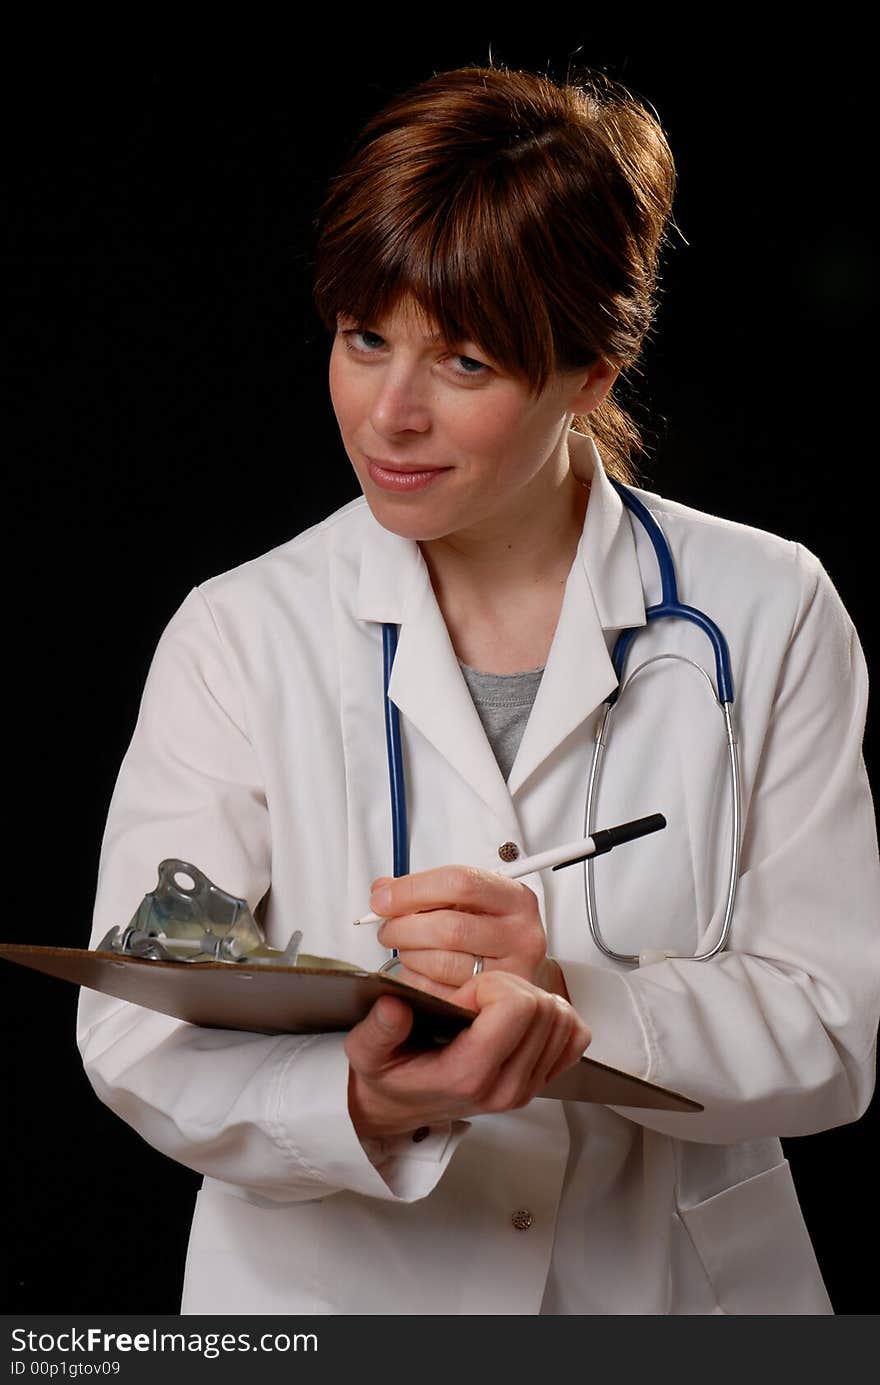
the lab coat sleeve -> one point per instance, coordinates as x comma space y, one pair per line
777, 1035
266, 1113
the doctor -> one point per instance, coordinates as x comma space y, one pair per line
343, 1173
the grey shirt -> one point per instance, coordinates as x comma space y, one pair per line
503, 701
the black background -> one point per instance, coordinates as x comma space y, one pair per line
170, 419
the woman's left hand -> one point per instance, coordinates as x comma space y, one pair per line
442, 920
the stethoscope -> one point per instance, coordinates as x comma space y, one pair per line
668, 608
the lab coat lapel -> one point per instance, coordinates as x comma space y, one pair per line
427, 685
603, 593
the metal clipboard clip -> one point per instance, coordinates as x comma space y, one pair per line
187, 918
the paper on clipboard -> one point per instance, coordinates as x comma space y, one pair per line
268, 999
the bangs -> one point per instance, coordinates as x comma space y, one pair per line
459, 264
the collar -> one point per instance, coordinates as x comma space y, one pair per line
603, 592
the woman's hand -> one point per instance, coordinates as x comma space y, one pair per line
521, 1038
442, 920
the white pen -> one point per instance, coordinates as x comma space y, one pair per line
569, 854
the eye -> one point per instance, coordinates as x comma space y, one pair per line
481, 365
352, 332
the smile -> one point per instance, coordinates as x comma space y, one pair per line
404, 479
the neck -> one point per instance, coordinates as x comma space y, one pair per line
507, 556
501, 589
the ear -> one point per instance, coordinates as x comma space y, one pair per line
592, 388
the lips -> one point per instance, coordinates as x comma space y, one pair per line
405, 468
404, 477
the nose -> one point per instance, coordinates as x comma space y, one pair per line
402, 400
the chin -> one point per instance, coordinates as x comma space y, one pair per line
407, 522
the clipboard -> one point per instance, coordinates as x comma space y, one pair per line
267, 999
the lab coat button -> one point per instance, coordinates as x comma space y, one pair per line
508, 851
421, 1134
522, 1219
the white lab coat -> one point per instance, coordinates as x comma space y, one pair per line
259, 755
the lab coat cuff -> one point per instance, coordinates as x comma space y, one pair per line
605, 1001
426, 1145
412, 1164
327, 1147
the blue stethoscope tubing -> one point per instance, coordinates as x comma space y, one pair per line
669, 607
399, 830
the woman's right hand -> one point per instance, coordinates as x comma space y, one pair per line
521, 1038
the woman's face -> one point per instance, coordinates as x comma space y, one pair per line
443, 442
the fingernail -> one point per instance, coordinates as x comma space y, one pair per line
380, 899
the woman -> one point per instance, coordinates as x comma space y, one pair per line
487, 263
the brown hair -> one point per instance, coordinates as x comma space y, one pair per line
520, 213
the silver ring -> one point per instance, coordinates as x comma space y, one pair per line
478, 966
